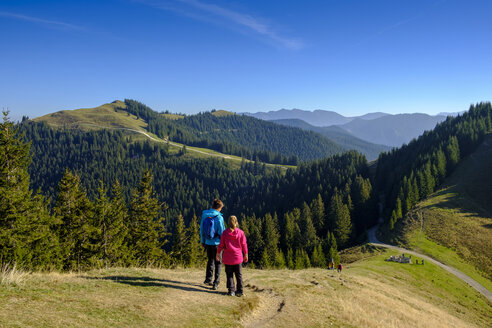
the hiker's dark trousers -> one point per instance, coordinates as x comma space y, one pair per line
211, 264
231, 270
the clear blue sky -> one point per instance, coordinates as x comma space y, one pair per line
187, 56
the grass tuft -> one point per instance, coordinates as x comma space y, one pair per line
11, 276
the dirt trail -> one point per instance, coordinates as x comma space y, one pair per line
269, 306
481, 289
175, 144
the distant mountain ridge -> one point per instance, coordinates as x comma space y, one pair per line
391, 130
340, 136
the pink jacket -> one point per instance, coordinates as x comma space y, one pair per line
233, 243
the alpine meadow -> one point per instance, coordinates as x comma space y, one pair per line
208, 163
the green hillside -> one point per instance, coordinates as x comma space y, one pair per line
112, 115
368, 293
454, 224
340, 136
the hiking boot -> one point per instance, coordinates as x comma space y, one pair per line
208, 283
239, 294
215, 287
230, 294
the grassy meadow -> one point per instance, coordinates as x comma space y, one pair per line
454, 224
370, 292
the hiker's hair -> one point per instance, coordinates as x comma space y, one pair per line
232, 222
217, 204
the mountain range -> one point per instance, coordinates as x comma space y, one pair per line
376, 128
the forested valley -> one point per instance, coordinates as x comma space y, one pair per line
101, 198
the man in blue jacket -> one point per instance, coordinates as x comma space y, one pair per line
210, 233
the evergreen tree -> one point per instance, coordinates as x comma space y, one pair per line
117, 227
318, 257
279, 260
179, 242
193, 247
331, 249
308, 232
271, 237
146, 225
73, 211
343, 225
290, 259
318, 214
14, 187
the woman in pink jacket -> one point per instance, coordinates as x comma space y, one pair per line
233, 244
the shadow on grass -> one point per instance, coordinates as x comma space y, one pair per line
155, 282
456, 200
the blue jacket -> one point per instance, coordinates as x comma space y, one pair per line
218, 224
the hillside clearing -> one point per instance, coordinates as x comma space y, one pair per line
369, 293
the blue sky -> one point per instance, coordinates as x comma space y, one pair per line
187, 56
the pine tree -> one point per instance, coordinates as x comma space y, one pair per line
179, 242
308, 232
265, 262
318, 257
15, 195
193, 247
331, 249
146, 225
343, 224
452, 154
290, 259
271, 237
279, 260
25, 234
73, 210
318, 214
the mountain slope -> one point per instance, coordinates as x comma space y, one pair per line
392, 130
340, 136
369, 293
112, 115
221, 131
459, 216
316, 118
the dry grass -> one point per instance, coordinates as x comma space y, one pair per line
11, 276
369, 293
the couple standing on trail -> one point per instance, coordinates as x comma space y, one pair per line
230, 243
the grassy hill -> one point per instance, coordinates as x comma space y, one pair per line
114, 116
369, 293
110, 115
454, 224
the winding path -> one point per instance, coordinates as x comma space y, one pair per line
174, 144
371, 233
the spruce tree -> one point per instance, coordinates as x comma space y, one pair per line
279, 260
193, 246
318, 257
73, 211
179, 242
146, 225
15, 195
26, 237
271, 237
308, 232
290, 259
318, 214
331, 249
343, 224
